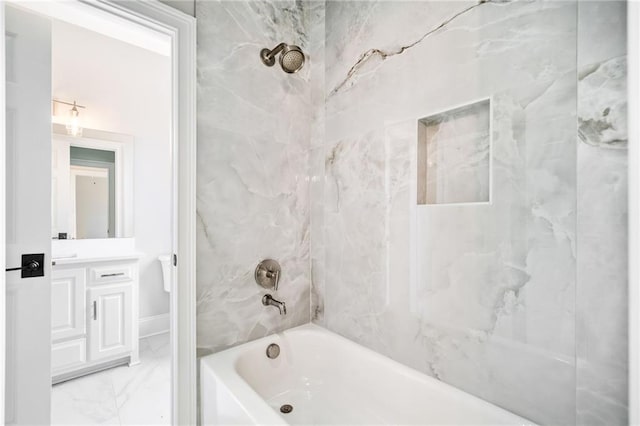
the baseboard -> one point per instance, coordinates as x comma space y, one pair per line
99, 366
150, 326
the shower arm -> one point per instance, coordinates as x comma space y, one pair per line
270, 54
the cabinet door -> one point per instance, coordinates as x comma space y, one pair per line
111, 321
67, 303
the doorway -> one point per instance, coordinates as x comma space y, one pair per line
88, 298
120, 89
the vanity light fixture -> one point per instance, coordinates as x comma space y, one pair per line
73, 122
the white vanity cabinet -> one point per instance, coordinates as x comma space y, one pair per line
93, 315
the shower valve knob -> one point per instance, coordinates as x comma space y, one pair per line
267, 274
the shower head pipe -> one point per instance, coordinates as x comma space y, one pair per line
269, 56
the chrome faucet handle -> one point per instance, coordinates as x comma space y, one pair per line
267, 300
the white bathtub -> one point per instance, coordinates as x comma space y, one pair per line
330, 380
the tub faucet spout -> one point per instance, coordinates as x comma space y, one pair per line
267, 300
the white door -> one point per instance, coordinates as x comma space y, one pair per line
68, 295
111, 321
28, 216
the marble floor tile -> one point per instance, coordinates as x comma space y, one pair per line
85, 400
138, 395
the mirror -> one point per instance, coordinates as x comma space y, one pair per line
92, 192
91, 185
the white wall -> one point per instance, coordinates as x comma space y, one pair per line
92, 205
126, 89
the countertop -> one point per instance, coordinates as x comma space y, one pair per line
70, 260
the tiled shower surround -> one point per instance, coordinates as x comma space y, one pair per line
253, 167
522, 300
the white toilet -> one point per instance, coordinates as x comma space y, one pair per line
165, 262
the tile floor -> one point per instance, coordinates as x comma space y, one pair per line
138, 395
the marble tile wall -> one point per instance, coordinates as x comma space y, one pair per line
316, 163
254, 127
521, 301
601, 305
482, 297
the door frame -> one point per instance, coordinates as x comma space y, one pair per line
633, 73
181, 29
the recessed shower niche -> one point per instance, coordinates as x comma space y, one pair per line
454, 155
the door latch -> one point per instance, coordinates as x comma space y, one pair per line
32, 266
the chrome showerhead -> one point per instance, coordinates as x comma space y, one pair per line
291, 57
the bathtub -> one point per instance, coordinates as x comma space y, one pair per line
328, 379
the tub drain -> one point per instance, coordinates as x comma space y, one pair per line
286, 409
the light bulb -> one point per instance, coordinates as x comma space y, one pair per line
73, 125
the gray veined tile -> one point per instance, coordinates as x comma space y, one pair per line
602, 110
489, 304
479, 306
147, 398
84, 401
124, 395
253, 193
